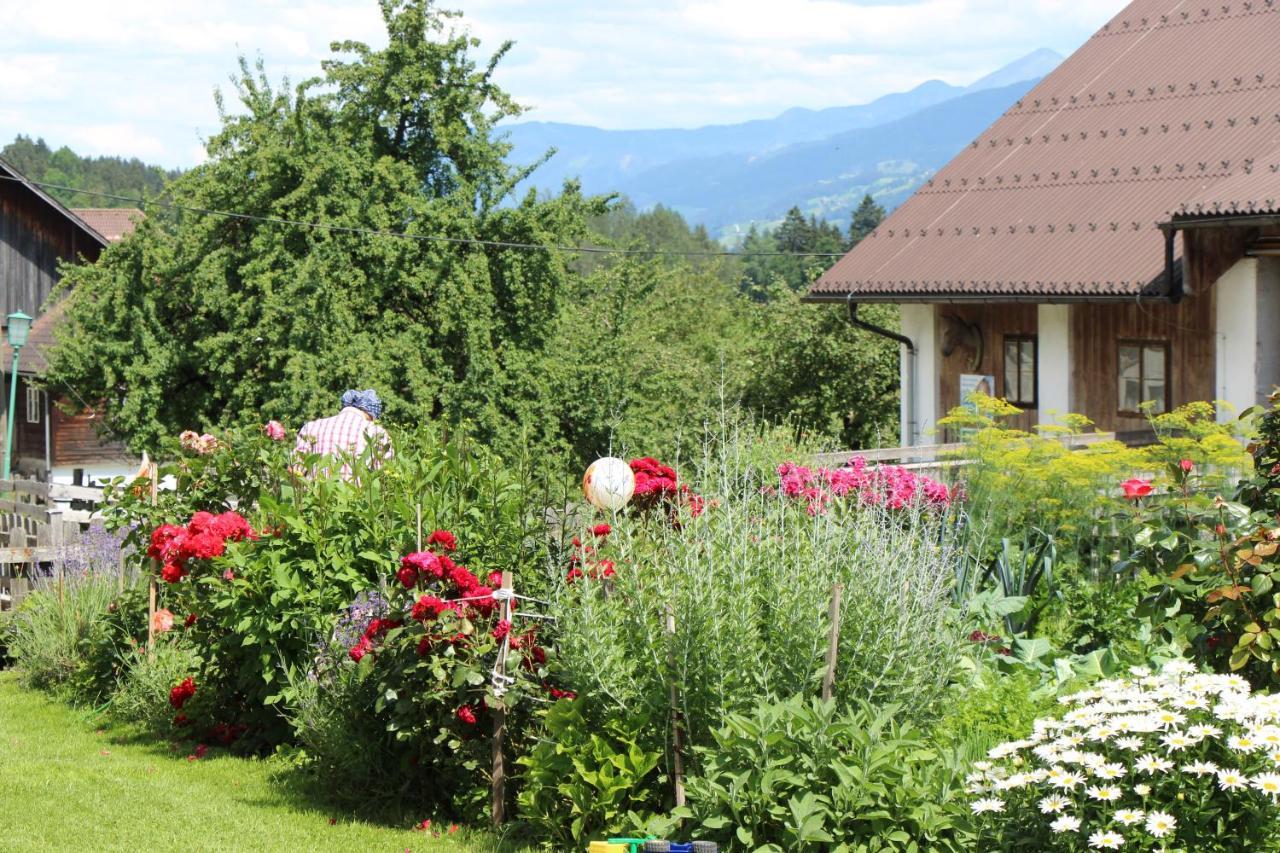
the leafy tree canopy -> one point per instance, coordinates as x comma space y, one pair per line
201, 321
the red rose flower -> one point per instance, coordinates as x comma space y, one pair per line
574, 574
162, 541
1186, 465
179, 695
1136, 488
428, 607
408, 577
359, 650
466, 715
424, 647
486, 603
601, 530
444, 539
172, 572
495, 579
424, 563
203, 546
502, 629
190, 620
181, 720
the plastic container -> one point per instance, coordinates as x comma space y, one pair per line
606, 847
657, 847
677, 847
706, 847
632, 845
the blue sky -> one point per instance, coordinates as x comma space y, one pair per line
136, 77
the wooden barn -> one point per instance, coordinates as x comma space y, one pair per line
37, 233
1113, 240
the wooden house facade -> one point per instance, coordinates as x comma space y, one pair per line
37, 234
1110, 245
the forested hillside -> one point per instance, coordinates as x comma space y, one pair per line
115, 176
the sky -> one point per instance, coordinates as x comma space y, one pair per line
137, 77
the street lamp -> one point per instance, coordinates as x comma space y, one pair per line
19, 326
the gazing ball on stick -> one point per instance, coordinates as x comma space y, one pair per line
609, 483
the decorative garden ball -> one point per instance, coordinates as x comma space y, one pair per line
609, 483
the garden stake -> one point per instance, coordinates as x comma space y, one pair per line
153, 476
833, 643
418, 507
500, 712
677, 738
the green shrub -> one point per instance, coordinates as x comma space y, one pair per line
801, 775
143, 696
747, 583
583, 781
53, 634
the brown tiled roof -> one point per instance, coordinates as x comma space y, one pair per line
1172, 103
113, 223
40, 341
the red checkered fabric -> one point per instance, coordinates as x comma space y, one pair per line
349, 431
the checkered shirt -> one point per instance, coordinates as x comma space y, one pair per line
349, 431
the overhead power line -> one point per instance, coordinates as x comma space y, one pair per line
428, 238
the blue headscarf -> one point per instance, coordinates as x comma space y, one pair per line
365, 401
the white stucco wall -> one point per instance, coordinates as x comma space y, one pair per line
1268, 326
919, 324
1053, 362
1235, 296
93, 474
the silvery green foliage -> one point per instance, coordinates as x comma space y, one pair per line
748, 583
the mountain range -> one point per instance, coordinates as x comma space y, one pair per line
731, 176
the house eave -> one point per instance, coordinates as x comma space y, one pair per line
901, 298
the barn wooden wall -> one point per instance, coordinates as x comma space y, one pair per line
33, 237
1095, 331
995, 321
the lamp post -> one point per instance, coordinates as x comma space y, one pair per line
19, 326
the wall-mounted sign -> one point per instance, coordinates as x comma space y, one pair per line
979, 383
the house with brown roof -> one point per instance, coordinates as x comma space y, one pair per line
37, 234
1113, 240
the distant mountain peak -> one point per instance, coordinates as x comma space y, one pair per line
1036, 64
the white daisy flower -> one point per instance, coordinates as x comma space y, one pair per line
1204, 730
1130, 743
1242, 743
1200, 768
1130, 816
1267, 783
1105, 793
1176, 741
1110, 770
1160, 824
989, 804
1152, 764
1066, 823
1142, 790
1054, 803
1230, 780
1106, 840
1067, 781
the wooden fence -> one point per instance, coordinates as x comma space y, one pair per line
40, 525
938, 457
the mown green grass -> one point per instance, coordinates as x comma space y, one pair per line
69, 785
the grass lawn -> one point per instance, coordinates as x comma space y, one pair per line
70, 786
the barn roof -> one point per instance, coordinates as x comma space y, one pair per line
10, 175
1171, 107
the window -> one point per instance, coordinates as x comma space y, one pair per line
1144, 376
34, 407
1020, 370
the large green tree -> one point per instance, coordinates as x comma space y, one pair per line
203, 320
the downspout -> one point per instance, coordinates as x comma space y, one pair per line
908, 387
48, 447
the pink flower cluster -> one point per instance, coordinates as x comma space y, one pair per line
879, 485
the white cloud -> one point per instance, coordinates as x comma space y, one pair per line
135, 77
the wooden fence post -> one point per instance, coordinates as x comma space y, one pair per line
677, 728
55, 545
499, 776
833, 643
153, 475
